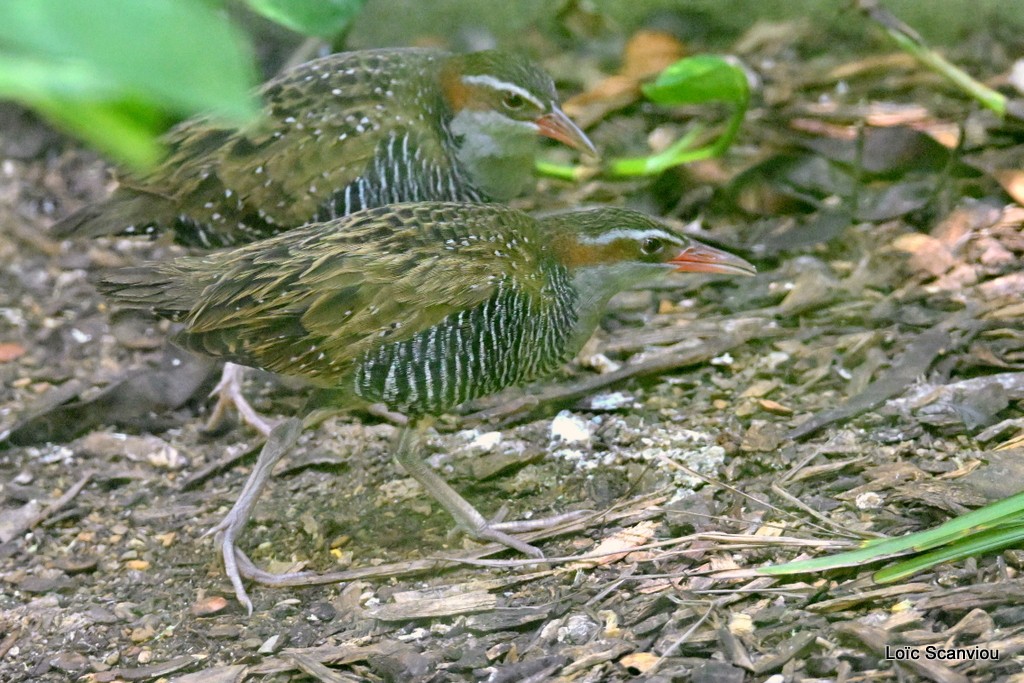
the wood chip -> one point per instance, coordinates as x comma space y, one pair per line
429, 608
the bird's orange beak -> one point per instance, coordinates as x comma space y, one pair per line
700, 258
558, 126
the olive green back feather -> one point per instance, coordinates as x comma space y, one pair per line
331, 293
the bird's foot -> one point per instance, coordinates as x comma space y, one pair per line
487, 532
468, 519
280, 440
499, 531
519, 526
229, 395
225, 532
238, 566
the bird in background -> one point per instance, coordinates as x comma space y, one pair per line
339, 134
419, 306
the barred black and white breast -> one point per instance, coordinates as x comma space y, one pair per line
419, 306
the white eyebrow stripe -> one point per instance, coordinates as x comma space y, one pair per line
629, 233
492, 82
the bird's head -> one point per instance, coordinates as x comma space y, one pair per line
507, 94
609, 249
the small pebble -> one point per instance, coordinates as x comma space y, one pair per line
569, 428
869, 500
142, 634
269, 646
485, 441
578, 629
69, 662
208, 606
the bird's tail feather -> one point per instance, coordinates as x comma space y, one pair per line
127, 211
150, 287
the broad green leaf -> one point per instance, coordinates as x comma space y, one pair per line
31, 78
114, 128
323, 18
81, 101
182, 55
694, 80
698, 80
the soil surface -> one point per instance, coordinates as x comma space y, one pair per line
867, 382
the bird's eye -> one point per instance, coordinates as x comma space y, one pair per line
513, 101
651, 246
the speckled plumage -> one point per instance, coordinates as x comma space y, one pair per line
341, 133
419, 306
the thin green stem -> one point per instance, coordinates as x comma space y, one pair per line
988, 97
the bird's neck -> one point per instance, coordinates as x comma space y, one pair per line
594, 286
497, 154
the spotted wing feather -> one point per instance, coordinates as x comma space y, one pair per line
325, 123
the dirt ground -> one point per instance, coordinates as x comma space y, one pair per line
868, 381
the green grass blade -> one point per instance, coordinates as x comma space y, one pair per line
985, 542
1003, 514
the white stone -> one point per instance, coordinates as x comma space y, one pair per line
569, 428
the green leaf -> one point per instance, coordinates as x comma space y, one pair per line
694, 80
700, 79
323, 18
182, 55
117, 128
982, 530
679, 152
972, 546
81, 101
30, 79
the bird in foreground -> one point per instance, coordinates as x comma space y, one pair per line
418, 306
339, 134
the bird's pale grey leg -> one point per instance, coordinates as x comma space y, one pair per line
281, 440
524, 525
229, 395
380, 410
408, 454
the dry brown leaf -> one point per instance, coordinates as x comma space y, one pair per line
618, 545
1012, 216
209, 606
233, 673
927, 254
721, 563
646, 54
640, 661
770, 530
649, 52
772, 37
1010, 285
414, 605
993, 253
963, 222
871, 65
961, 277
760, 388
774, 407
1012, 181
